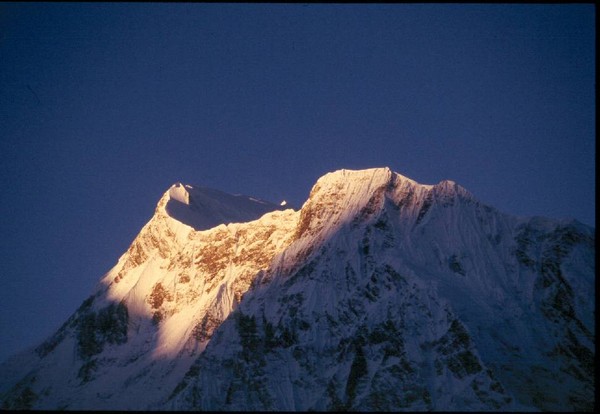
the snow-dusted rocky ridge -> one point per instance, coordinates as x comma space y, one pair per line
379, 294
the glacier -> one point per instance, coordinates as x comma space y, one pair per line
379, 294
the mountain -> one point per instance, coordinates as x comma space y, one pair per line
379, 294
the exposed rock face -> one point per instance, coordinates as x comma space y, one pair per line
379, 294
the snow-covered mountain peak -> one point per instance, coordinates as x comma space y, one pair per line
379, 294
450, 188
348, 198
360, 184
337, 197
345, 196
346, 174
203, 208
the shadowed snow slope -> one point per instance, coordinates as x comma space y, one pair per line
379, 294
204, 208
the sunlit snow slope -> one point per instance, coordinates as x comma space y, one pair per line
379, 294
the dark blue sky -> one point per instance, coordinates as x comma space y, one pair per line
104, 106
